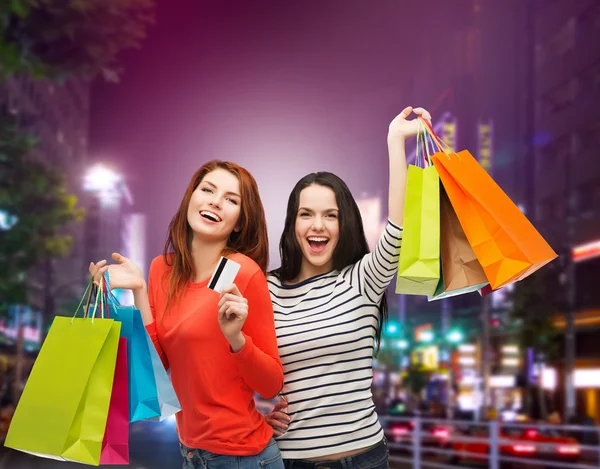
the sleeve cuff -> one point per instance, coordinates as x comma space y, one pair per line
245, 352
394, 229
151, 329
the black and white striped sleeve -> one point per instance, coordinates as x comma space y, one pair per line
374, 272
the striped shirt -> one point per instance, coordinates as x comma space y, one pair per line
326, 335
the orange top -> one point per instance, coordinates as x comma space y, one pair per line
214, 385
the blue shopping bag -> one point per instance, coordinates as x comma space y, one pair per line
169, 404
143, 393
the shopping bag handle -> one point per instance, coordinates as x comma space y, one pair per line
425, 139
110, 296
91, 288
442, 146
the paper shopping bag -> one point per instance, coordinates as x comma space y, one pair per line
169, 404
143, 395
115, 446
506, 244
419, 265
63, 410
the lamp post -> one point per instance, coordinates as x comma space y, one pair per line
103, 230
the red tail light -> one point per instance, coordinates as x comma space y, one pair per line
441, 433
398, 431
524, 449
531, 433
568, 449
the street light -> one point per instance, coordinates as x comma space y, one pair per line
455, 336
101, 179
7, 221
392, 328
426, 336
402, 344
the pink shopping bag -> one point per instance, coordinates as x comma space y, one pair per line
115, 446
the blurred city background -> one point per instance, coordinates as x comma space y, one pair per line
108, 107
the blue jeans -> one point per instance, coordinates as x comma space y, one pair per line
372, 458
268, 458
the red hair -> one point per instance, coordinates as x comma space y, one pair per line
251, 240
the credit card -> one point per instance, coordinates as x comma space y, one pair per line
224, 274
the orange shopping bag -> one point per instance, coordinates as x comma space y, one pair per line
505, 242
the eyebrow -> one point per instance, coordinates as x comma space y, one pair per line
226, 193
326, 210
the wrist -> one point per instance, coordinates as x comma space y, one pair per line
396, 137
140, 289
237, 342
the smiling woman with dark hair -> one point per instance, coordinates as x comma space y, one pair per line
330, 307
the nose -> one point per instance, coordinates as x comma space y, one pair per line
318, 224
215, 201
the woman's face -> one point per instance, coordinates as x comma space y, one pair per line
317, 227
214, 208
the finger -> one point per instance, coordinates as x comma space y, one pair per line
422, 113
276, 423
233, 289
281, 416
229, 297
282, 404
119, 258
232, 312
237, 311
406, 112
96, 267
99, 274
277, 433
101, 263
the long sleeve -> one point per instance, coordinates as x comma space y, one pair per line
374, 272
153, 281
258, 360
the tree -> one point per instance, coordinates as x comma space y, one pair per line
532, 311
57, 39
36, 197
415, 380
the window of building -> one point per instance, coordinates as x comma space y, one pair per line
589, 20
561, 97
591, 80
556, 153
552, 208
540, 55
590, 138
588, 198
564, 40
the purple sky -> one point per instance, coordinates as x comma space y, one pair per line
282, 88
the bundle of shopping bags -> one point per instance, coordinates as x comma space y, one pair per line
94, 375
462, 233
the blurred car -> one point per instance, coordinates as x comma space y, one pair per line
527, 443
401, 431
478, 451
551, 444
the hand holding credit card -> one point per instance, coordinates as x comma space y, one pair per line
233, 307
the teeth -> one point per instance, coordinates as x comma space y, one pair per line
210, 215
315, 239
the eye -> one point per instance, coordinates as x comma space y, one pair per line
207, 189
332, 215
304, 214
233, 201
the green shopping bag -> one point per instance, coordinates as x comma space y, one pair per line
419, 265
63, 410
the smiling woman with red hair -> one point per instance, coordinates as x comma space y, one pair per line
220, 348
